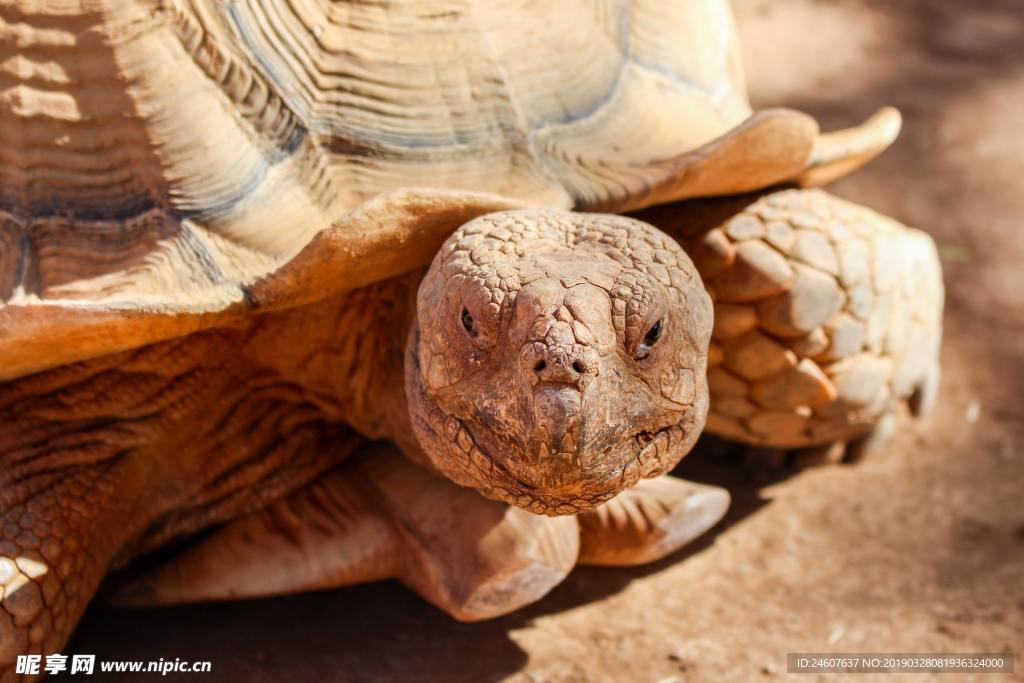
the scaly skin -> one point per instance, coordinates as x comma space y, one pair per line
105, 459
827, 314
556, 312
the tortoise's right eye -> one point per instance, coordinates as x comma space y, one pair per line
467, 321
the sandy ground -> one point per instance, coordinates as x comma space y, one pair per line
920, 548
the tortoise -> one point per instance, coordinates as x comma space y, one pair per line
240, 239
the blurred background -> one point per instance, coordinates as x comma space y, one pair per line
919, 548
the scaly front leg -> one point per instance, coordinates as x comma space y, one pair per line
59, 530
827, 316
376, 517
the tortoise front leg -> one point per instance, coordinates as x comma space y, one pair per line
376, 517
58, 533
828, 316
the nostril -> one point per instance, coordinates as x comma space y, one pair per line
578, 367
540, 366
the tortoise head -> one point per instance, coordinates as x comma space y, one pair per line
558, 357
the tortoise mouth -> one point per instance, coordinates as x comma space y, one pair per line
474, 455
553, 486
636, 456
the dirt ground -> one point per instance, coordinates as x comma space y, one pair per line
920, 548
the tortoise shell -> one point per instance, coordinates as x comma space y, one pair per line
167, 165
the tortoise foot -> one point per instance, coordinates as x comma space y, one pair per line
649, 521
376, 517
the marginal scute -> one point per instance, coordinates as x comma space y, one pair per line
204, 279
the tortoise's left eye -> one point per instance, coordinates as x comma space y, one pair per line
653, 334
467, 320
650, 339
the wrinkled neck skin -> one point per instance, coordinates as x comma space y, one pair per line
345, 355
557, 358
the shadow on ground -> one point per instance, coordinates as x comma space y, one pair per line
384, 628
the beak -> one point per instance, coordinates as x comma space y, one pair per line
558, 408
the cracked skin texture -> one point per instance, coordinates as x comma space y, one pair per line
118, 455
557, 310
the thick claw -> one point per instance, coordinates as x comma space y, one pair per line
649, 521
922, 401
